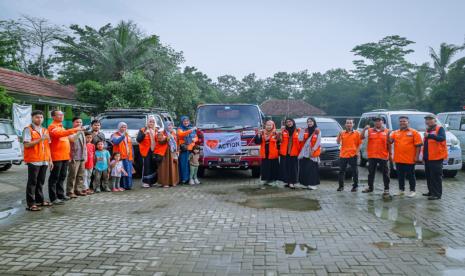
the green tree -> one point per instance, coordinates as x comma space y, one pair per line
6, 103
450, 94
443, 59
8, 52
208, 92
133, 90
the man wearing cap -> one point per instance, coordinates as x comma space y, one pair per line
407, 145
378, 149
434, 153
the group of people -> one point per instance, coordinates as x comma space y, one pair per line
81, 158
292, 155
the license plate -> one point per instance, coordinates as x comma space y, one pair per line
327, 164
6, 145
228, 160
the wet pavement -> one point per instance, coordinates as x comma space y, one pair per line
230, 225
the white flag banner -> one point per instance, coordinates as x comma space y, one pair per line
222, 143
21, 117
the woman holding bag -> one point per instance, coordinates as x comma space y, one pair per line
146, 137
309, 155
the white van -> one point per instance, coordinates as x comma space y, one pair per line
10, 146
455, 123
416, 121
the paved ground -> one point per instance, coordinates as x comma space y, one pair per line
227, 227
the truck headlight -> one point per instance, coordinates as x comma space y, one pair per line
454, 141
254, 152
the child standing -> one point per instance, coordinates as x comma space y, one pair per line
89, 165
117, 169
102, 169
194, 165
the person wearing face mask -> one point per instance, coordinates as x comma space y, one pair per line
122, 143
309, 155
268, 141
288, 152
407, 145
147, 141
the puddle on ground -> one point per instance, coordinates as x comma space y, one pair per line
454, 272
292, 203
404, 227
262, 190
455, 253
298, 250
7, 212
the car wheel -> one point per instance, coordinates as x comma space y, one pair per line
450, 174
201, 172
256, 172
5, 167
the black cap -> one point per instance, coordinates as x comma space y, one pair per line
430, 116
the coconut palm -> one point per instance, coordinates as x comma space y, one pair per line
443, 60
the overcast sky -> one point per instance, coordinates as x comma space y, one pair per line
242, 36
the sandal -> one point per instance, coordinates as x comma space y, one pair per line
33, 208
45, 204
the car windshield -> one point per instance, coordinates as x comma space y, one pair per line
7, 128
416, 121
228, 116
133, 122
328, 129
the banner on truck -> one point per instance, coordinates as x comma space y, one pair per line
21, 117
222, 143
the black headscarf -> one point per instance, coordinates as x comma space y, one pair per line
311, 129
290, 129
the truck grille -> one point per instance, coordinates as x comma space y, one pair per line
329, 155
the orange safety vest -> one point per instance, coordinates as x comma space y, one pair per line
314, 138
377, 144
161, 147
182, 135
272, 147
59, 147
125, 152
40, 152
144, 145
436, 150
294, 151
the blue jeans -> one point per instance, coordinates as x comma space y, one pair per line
126, 181
184, 169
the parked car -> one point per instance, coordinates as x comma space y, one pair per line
135, 119
10, 146
330, 128
455, 123
245, 119
416, 121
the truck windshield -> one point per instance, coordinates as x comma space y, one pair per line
416, 121
329, 129
133, 122
228, 116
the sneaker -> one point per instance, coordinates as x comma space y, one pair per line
292, 186
426, 194
107, 190
412, 194
434, 198
65, 198
145, 185
386, 193
58, 202
367, 190
198, 181
115, 190
121, 189
191, 182
340, 189
400, 193
354, 189
310, 187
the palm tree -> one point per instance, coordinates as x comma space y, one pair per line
443, 59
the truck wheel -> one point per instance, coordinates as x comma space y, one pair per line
201, 172
5, 167
256, 172
450, 174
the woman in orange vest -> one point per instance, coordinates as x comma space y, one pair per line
309, 155
122, 143
268, 141
288, 151
146, 137
434, 154
37, 157
167, 149
187, 138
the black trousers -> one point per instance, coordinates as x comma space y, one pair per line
57, 177
35, 182
433, 171
406, 171
352, 162
372, 166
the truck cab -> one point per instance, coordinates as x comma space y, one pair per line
244, 119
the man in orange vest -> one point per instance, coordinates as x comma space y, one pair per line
407, 145
37, 157
60, 151
378, 149
350, 142
434, 154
